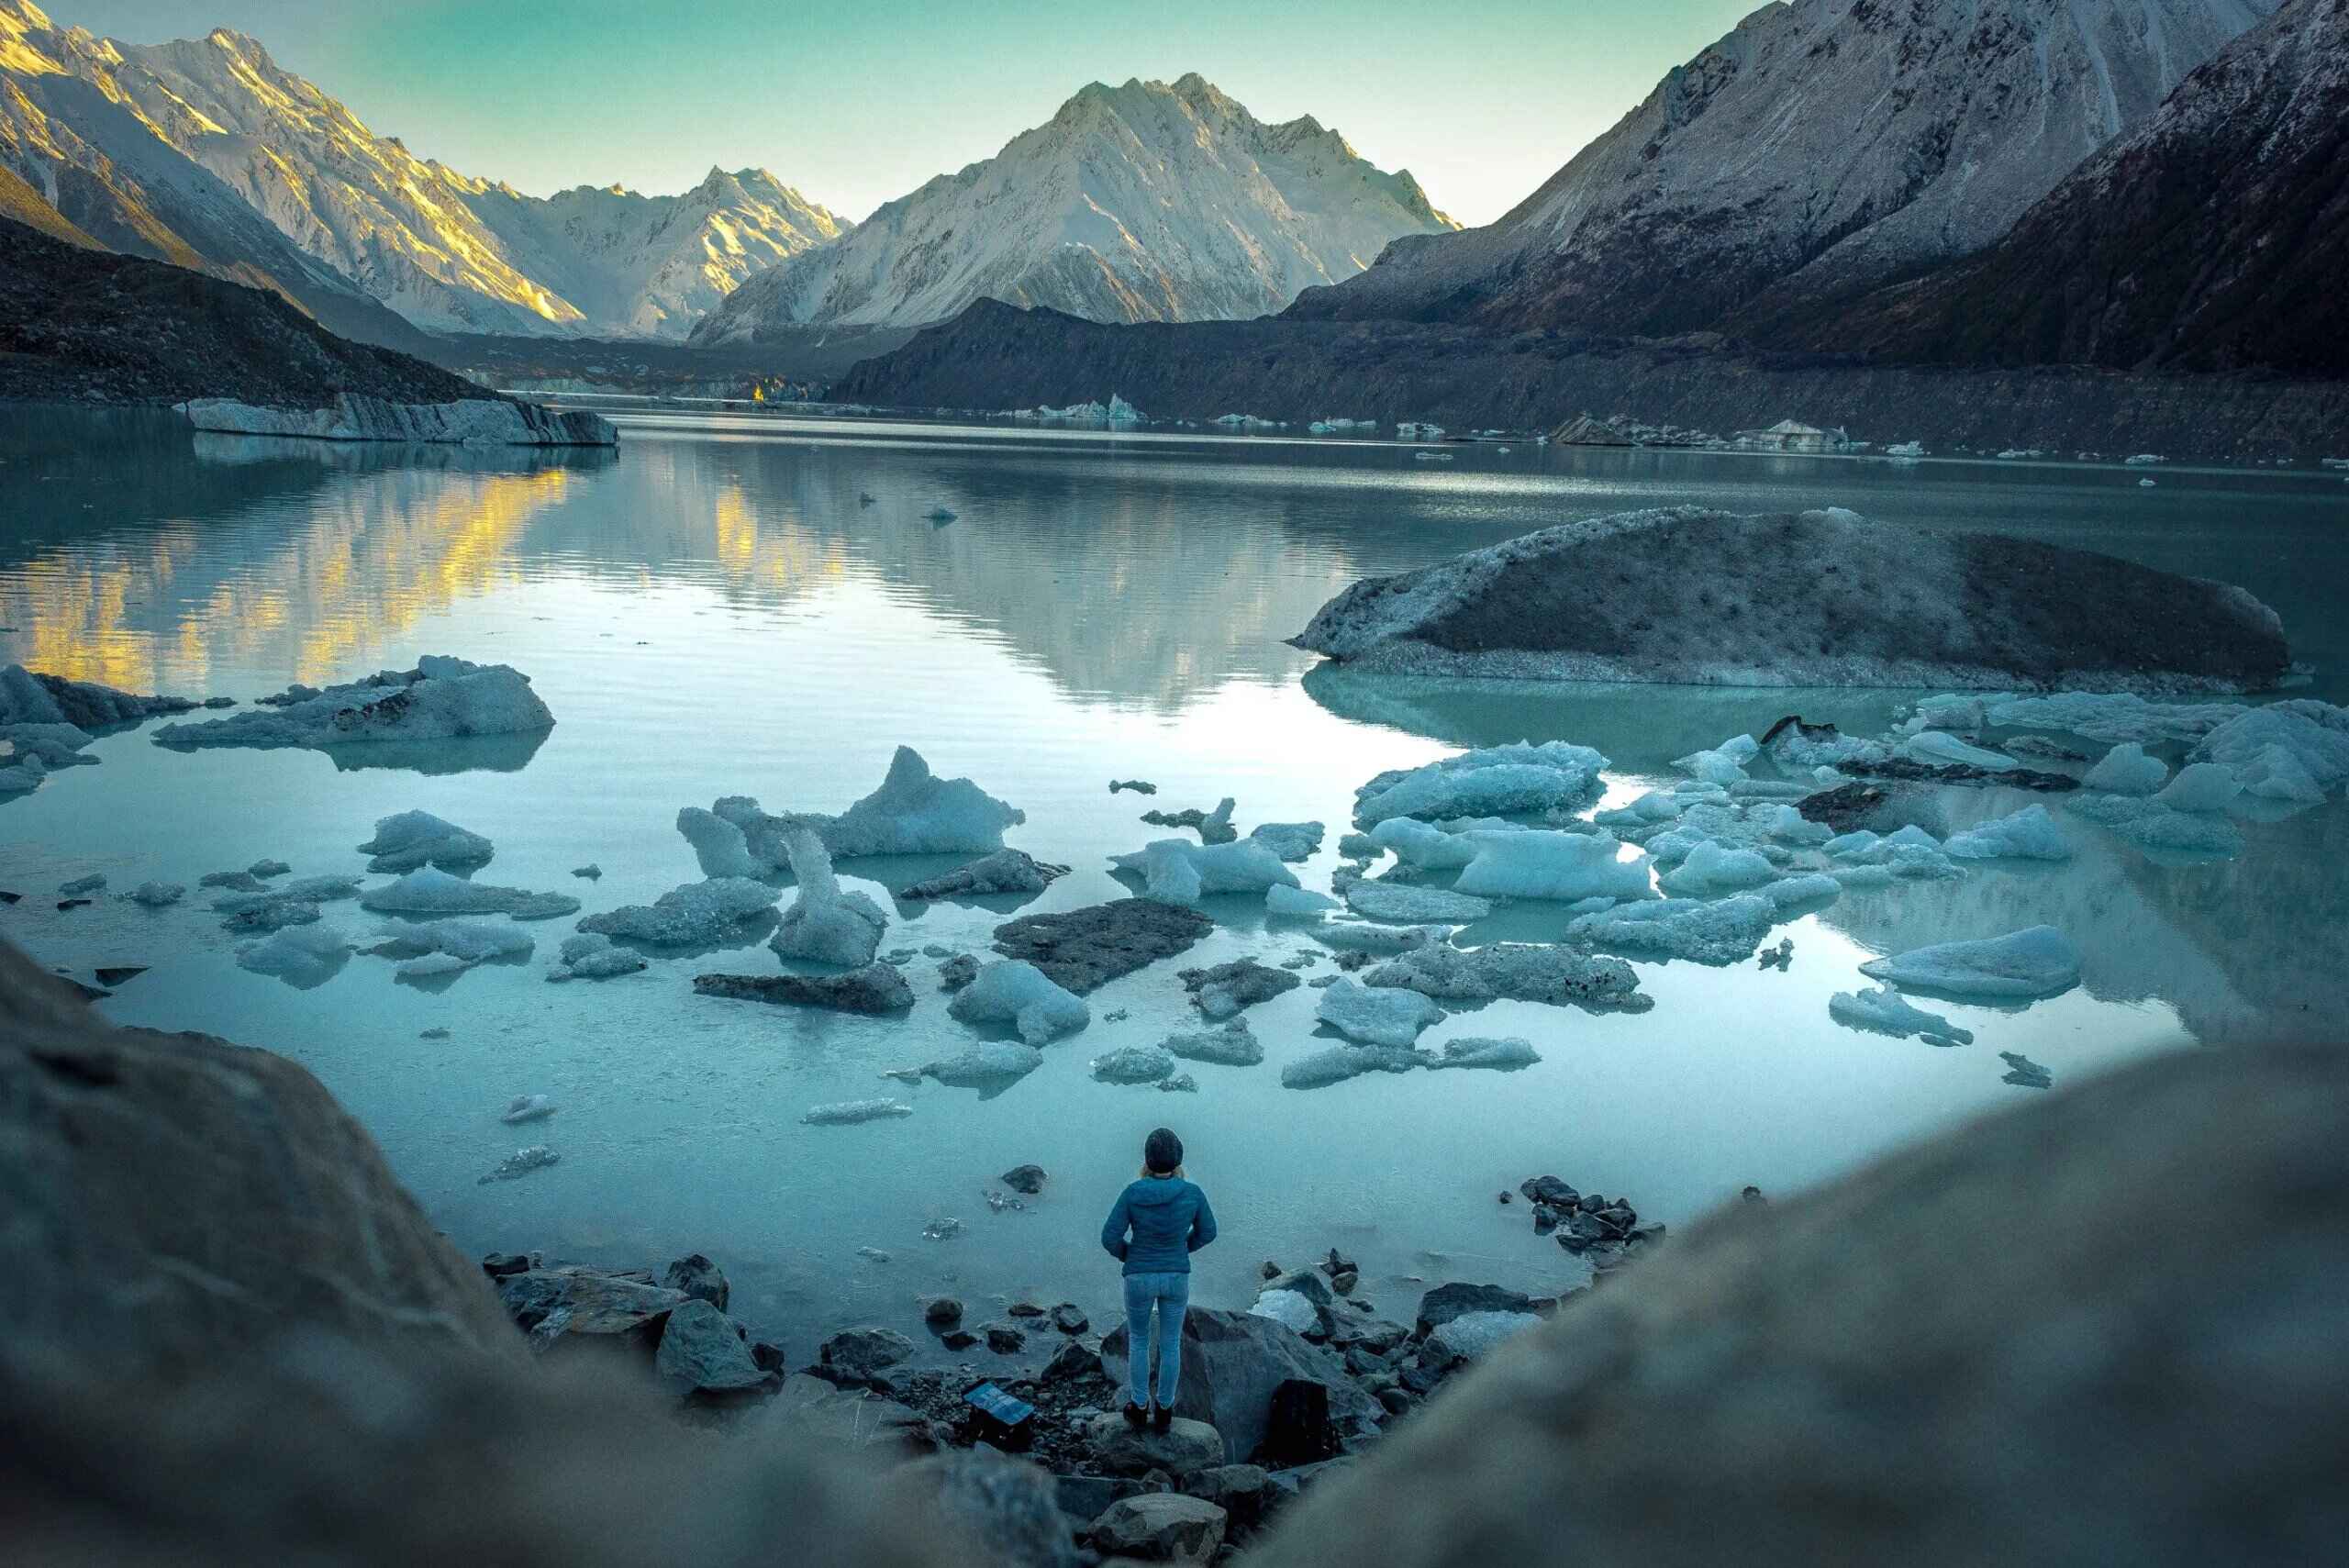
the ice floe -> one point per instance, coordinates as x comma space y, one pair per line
1562, 867
823, 924
1176, 864
590, 955
983, 1064
1556, 776
1015, 991
1319, 1069
441, 699
446, 948
1400, 902
427, 892
414, 839
2291, 750
302, 956
1505, 1054
1711, 868
1134, 1065
1297, 902
157, 895
1523, 971
1004, 871
694, 914
2199, 787
848, 1113
1390, 1017
1719, 931
1232, 1045
1881, 1009
1292, 841
2037, 961
2150, 825
2027, 834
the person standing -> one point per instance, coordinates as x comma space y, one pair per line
1157, 1223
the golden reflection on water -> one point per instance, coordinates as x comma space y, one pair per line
782, 556
372, 560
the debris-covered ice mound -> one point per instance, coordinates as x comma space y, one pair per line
441, 699
1690, 596
698, 913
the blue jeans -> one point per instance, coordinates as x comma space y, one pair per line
1170, 1294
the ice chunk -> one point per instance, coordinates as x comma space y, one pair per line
1881, 1009
427, 893
2029, 834
1433, 847
2126, 769
1292, 841
1223, 989
718, 844
1852, 844
1554, 776
1015, 991
81, 884
2152, 826
2108, 716
414, 838
302, 956
1715, 765
1553, 865
847, 1112
1246, 866
1793, 892
1339, 1062
2313, 734
1522, 971
1712, 869
985, 1065
823, 924
1389, 1017
1934, 746
696, 913
2023, 1072
1233, 1045
2200, 787
1134, 1065
1718, 932
1004, 871
448, 947
2037, 961
1353, 936
1399, 902
915, 813
590, 955
527, 1107
441, 699
1504, 1054
1169, 877
1297, 902
157, 895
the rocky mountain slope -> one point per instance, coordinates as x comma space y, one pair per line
450, 251
1149, 202
2213, 236
1822, 146
72, 133
78, 324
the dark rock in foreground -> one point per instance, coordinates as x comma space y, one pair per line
1825, 599
1083, 949
875, 988
1232, 1364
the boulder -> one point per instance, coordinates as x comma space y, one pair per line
997, 1512
281, 1214
698, 1277
1160, 1527
701, 1354
573, 1308
1027, 1180
844, 1422
1246, 1493
1231, 1363
1083, 1498
1123, 1449
1297, 1428
859, 1355
1446, 1302
1694, 596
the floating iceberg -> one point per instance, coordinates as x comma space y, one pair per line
1711, 869
441, 699
986, 1064
1718, 932
1506, 1054
590, 955
698, 913
1004, 871
1789, 892
448, 947
1905, 450
1320, 1069
2108, 716
1559, 866
718, 844
1134, 1065
2029, 834
1243, 866
157, 895
302, 956
823, 924
1880, 1008
1399, 902
2283, 750
2150, 825
2038, 962
1297, 902
414, 838
2127, 770
2200, 787
1933, 746
848, 1113
1390, 1017
1233, 1045
1722, 765
1015, 991
1522, 972
426, 894
1292, 841
1556, 776
1437, 846
913, 813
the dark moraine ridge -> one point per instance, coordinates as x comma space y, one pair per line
78, 324
1824, 598
993, 356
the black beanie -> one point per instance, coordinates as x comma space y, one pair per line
1162, 1150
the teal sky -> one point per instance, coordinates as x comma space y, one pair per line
856, 103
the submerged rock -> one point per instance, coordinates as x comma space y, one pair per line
1223, 990
1083, 949
875, 988
441, 699
1694, 596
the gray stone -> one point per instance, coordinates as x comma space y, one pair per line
1221, 991
1246, 1494
1027, 1179
1523, 971
1123, 1449
1002, 1512
943, 1311
701, 1352
698, 1276
1006, 871
1231, 1363
957, 971
1446, 1302
1075, 1359
562, 1308
1083, 949
1160, 1527
1083, 1498
875, 988
845, 1420
1070, 1319
1004, 1340
859, 1355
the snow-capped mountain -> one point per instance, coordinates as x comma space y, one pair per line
78, 139
448, 250
2213, 236
1149, 202
1822, 146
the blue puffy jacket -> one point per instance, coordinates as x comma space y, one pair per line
1169, 1219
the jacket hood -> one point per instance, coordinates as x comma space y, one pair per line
1151, 1191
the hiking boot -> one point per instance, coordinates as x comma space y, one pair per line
1136, 1417
1162, 1420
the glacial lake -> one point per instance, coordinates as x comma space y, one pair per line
711, 611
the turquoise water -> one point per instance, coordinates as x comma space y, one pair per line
711, 612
